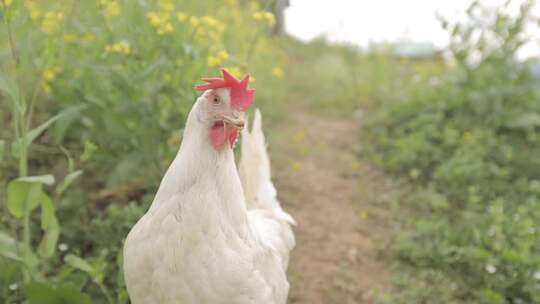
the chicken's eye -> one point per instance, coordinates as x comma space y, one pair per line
216, 100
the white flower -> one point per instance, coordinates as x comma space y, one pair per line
13, 286
491, 268
536, 275
63, 247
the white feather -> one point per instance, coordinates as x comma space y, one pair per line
199, 243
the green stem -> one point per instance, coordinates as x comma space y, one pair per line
23, 158
20, 131
23, 171
40, 81
18, 117
26, 242
105, 293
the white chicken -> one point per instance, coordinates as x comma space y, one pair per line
200, 241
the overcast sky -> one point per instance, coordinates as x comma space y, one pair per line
362, 21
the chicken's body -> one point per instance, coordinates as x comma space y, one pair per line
260, 193
200, 242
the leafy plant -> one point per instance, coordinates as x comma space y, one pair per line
471, 143
97, 93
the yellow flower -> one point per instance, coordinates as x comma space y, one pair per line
111, 8
270, 19
209, 21
181, 16
194, 21
46, 87
33, 9
223, 55
296, 166
166, 5
278, 72
165, 29
49, 75
35, 14
7, 2
154, 19
121, 47
70, 38
51, 22
264, 16
213, 61
363, 215
160, 22
167, 77
258, 16
235, 71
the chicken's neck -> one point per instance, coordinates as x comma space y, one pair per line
198, 166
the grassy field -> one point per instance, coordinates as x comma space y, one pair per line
94, 95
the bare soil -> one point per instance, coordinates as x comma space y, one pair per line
341, 205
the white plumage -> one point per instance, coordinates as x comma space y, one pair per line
201, 241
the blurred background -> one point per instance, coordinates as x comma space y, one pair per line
404, 138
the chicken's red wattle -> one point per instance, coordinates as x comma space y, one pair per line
219, 135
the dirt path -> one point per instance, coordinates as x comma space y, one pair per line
340, 204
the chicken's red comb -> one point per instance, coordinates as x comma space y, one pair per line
241, 95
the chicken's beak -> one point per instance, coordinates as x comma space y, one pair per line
236, 121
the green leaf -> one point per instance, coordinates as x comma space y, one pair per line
8, 247
46, 179
43, 293
125, 169
89, 149
122, 297
150, 69
21, 194
22, 143
34, 133
79, 263
63, 124
47, 211
26, 190
98, 269
68, 180
524, 121
9, 87
47, 246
